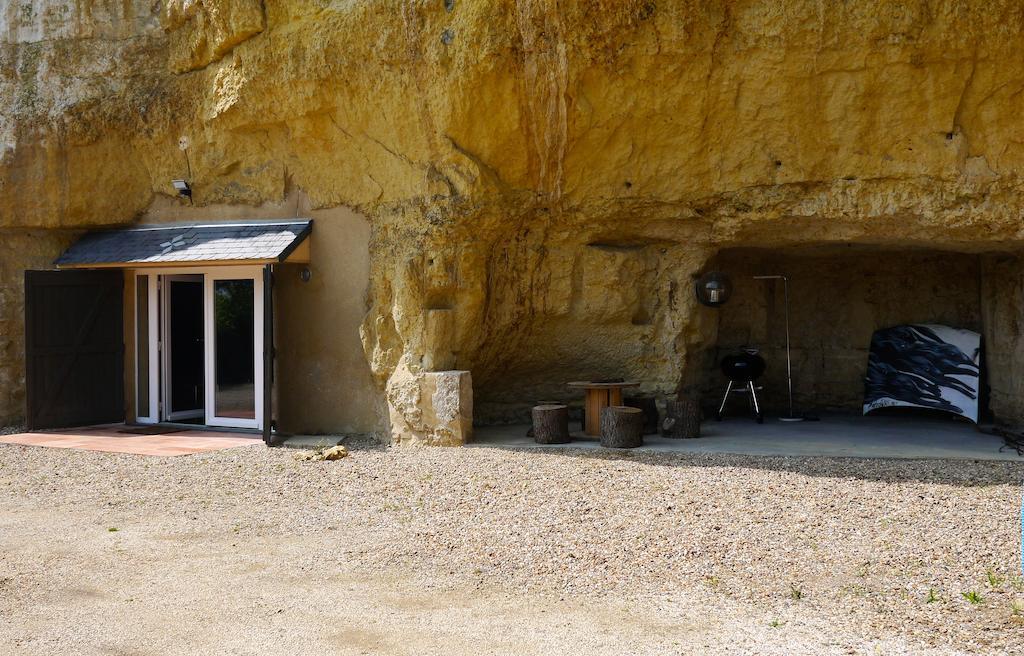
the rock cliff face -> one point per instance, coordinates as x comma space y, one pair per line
543, 177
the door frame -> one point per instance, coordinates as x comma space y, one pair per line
157, 372
225, 273
152, 377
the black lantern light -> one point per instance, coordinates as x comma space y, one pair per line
713, 289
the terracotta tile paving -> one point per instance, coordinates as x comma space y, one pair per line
113, 440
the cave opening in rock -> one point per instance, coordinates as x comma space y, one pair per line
840, 294
627, 309
596, 310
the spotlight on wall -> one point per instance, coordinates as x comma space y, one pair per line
713, 288
182, 188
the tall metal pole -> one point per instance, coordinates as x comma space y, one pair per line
789, 359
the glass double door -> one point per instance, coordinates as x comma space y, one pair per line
207, 364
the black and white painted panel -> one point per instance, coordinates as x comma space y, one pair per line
924, 366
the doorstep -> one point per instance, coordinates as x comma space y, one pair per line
116, 438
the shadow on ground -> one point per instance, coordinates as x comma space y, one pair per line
883, 449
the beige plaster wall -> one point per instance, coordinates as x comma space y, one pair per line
324, 382
839, 295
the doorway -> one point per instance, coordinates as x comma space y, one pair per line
199, 346
184, 397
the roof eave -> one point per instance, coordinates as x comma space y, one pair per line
165, 264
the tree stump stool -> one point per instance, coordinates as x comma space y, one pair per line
622, 427
551, 424
529, 431
682, 419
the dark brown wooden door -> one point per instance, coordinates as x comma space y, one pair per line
74, 348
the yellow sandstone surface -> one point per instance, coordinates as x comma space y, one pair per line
542, 178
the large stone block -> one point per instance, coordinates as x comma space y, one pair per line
430, 408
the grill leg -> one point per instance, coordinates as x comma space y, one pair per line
721, 406
757, 406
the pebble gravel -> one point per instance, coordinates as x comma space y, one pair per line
925, 553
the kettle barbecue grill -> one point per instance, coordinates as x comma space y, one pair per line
743, 369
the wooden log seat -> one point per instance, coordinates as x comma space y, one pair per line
682, 419
551, 424
622, 427
529, 431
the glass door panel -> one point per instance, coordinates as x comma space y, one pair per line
184, 348
234, 355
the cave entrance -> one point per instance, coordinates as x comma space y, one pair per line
840, 295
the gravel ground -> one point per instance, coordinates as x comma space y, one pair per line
502, 551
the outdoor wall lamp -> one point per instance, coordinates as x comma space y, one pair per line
713, 289
182, 188
305, 274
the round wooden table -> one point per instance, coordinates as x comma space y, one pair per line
600, 396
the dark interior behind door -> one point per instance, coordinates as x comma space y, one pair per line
74, 348
187, 347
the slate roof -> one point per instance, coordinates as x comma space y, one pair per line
187, 243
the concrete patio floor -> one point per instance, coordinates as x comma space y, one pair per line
112, 438
835, 436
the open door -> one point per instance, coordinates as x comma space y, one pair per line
74, 348
184, 348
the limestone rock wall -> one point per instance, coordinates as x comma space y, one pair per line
542, 177
1002, 300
